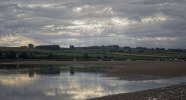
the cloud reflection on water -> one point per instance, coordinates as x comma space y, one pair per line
16, 80
64, 86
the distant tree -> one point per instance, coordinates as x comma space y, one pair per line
105, 57
48, 47
71, 47
24, 55
98, 57
85, 56
32, 55
1, 54
30, 46
130, 50
23, 47
50, 56
10, 55
121, 50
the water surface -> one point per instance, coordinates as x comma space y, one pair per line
67, 83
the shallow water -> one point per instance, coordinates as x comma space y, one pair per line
67, 83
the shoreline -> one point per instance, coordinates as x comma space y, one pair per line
174, 92
85, 62
128, 70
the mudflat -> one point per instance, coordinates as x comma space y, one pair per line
130, 70
123, 68
143, 70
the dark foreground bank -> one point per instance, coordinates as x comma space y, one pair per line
176, 92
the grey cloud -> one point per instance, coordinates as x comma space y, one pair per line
162, 1
105, 21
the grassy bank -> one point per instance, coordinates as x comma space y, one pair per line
87, 55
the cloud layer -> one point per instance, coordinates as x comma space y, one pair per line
151, 23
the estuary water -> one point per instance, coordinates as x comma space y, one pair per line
67, 82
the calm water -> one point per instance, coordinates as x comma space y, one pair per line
67, 83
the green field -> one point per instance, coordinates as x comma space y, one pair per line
25, 53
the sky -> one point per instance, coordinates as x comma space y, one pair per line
145, 23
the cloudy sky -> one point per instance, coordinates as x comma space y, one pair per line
150, 23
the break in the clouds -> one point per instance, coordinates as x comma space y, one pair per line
150, 23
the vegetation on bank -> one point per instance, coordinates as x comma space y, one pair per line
94, 53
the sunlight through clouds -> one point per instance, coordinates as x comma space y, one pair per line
151, 20
16, 40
